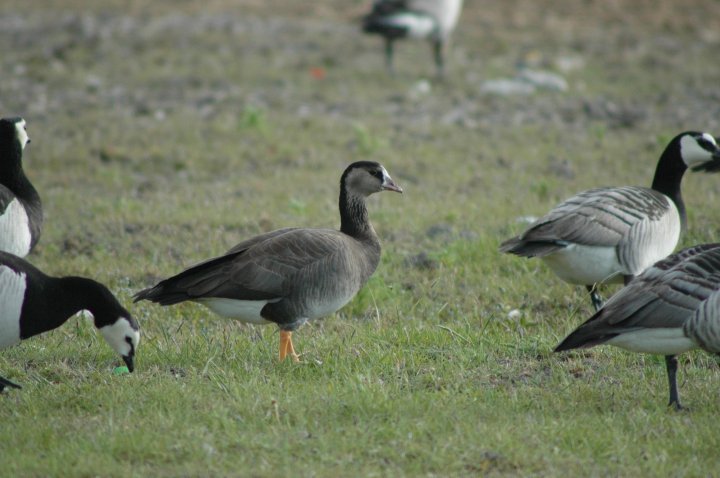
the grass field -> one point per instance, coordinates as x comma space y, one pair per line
165, 132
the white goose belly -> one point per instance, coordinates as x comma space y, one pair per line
243, 310
12, 295
665, 341
15, 230
586, 265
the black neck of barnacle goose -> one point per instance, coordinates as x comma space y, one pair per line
58, 299
354, 220
668, 177
13, 177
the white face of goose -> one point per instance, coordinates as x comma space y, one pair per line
21, 133
697, 149
123, 339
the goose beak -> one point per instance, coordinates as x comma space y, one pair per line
389, 185
711, 166
128, 359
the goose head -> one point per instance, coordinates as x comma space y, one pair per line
699, 151
364, 178
123, 336
116, 325
13, 130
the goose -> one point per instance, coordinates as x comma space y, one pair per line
290, 275
21, 214
426, 19
663, 311
612, 234
32, 302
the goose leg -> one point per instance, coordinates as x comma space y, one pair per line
438, 53
595, 297
671, 364
286, 346
7, 383
389, 56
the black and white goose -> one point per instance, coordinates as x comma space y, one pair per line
663, 311
612, 234
425, 19
32, 303
291, 275
20, 209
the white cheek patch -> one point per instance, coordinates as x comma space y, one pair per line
692, 153
22, 135
12, 295
116, 335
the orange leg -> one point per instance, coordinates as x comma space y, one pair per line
286, 346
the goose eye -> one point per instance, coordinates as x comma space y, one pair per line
378, 174
705, 144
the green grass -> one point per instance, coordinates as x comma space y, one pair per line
164, 134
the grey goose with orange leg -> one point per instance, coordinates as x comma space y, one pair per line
291, 275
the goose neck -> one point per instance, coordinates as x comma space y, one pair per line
354, 220
668, 180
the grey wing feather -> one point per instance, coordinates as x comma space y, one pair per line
598, 217
260, 270
259, 238
665, 295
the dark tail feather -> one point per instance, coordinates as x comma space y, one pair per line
529, 249
175, 289
592, 332
160, 295
376, 20
374, 25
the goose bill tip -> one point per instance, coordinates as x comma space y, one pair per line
391, 186
129, 362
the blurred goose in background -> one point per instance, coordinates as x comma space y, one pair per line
32, 303
612, 234
669, 309
425, 19
20, 209
291, 275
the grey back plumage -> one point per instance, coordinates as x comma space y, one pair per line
629, 218
664, 296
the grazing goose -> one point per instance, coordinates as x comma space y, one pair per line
20, 209
664, 311
612, 234
32, 303
430, 19
291, 275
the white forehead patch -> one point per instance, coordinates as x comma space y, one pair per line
692, 153
116, 335
22, 135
